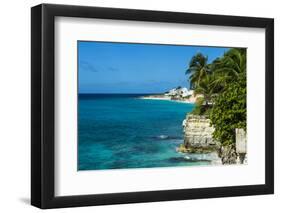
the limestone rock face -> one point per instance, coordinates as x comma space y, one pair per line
235, 153
198, 138
228, 154
198, 133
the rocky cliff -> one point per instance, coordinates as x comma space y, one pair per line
198, 135
198, 139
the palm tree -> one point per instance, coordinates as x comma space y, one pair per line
219, 79
198, 69
232, 64
207, 87
210, 80
210, 87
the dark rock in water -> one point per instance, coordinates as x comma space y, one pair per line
177, 159
140, 149
187, 159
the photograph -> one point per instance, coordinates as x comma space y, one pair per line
143, 105
140, 105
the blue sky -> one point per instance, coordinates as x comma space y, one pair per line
106, 67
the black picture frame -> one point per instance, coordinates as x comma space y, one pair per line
43, 102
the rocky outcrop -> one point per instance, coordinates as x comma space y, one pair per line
228, 154
198, 135
235, 153
198, 138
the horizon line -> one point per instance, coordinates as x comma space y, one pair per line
104, 93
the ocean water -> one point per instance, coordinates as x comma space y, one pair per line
123, 131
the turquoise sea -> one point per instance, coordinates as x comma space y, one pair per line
118, 131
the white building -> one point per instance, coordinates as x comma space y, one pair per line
186, 92
181, 92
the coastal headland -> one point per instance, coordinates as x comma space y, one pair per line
179, 94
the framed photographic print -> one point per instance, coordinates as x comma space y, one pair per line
139, 106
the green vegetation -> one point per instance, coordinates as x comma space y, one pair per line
198, 69
222, 89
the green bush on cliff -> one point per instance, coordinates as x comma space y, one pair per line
229, 112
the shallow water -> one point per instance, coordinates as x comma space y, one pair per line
122, 131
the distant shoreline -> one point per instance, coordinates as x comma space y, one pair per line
162, 97
166, 98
